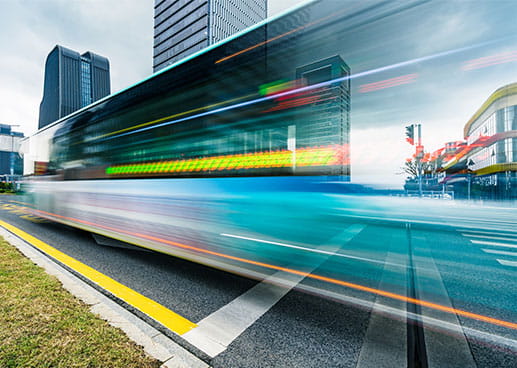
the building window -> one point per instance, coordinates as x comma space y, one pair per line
86, 83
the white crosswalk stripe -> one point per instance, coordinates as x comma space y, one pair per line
490, 237
493, 244
492, 251
507, 263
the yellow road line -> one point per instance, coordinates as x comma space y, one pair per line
156, 311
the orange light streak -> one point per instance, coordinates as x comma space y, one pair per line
350, 285
258, 45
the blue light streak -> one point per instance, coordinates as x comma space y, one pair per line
307, 88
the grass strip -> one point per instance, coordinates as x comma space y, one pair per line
43, 325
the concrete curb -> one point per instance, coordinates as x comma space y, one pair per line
155, 343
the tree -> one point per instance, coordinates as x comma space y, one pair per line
429, 167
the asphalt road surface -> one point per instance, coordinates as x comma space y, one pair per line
466, 276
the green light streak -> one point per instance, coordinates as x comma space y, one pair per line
322, 156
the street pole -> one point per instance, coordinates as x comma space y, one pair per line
420, 178
468, 187
11, 158
419, 151
419, 160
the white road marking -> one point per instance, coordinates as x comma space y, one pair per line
489, 237
471, 232
494, 244
507, 263
217, 331
314, 250
513, 254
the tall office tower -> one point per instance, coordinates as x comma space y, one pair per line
182, 27
72, 81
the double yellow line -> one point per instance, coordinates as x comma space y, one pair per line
149, 307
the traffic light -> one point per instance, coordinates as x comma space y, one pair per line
410, 134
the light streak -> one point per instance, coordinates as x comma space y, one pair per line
320, 156
172, 116
277, 86
301, 89
330, 280
289, 104
505, 57
312, 250
392, 82
482, 141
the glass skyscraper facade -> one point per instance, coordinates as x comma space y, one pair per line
72, 81
182, 27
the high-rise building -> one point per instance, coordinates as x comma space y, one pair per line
182, 27
72, 81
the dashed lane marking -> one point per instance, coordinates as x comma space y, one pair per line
156, 311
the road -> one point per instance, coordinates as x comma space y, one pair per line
353, 308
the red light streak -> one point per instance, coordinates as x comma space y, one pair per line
505, 57
298, 102
484, 141
388, 83
350, 285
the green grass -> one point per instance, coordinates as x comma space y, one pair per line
43, 325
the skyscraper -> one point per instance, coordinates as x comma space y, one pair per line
72, 81
182, 27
